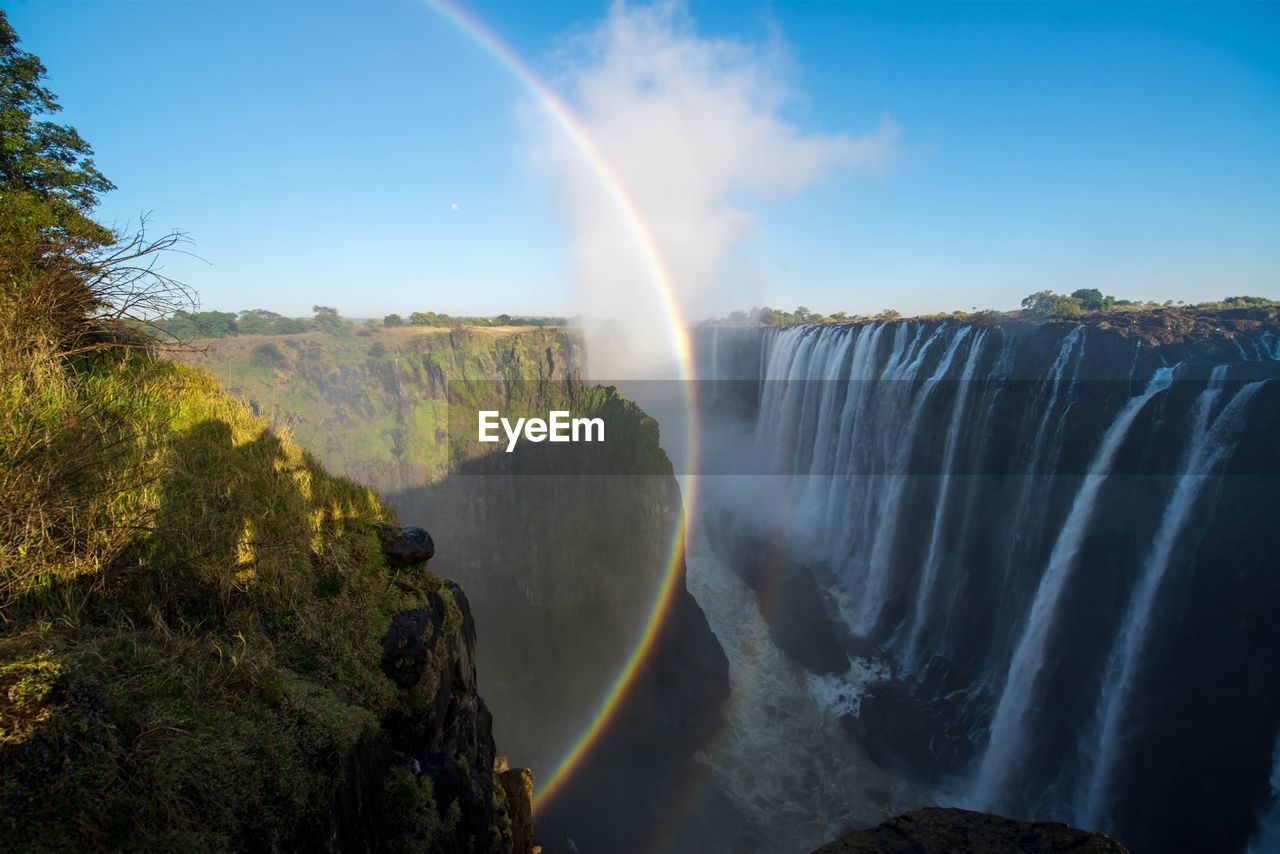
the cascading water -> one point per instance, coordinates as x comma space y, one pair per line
1008, 517
1210, 439
1009, 726
933, 558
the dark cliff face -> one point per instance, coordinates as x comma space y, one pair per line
1091, 649
627, 791
430, 777
563, 571
953, 831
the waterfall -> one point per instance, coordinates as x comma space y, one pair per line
878, 563
989, 554
927, 584
1008, 726
1208, 444
1267, 840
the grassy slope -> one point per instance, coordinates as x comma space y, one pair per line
191, 626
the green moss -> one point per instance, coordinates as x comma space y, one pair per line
416, 825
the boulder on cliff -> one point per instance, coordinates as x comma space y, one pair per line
404, 547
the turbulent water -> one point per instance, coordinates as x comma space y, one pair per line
1056, 541
782, 754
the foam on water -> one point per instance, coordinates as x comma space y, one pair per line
841, 694
817, 782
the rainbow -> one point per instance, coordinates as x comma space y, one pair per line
664, 287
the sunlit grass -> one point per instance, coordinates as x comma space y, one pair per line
192, 613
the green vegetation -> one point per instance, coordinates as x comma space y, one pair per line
187, 325
328, 320
1040, 307
1046, 305
46, 169
373, 407
431, 318
767, 316
191, 608
268, 355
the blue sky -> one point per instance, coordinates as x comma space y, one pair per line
314, 151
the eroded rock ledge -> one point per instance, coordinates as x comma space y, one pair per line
938, 830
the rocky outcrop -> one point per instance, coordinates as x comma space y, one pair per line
935, 830
517, 784
431, 780
405, 547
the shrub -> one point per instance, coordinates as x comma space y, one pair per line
268, 355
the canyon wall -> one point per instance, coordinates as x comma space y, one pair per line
562, 570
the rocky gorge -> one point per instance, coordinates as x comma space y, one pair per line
561, 570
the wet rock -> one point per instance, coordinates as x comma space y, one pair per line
404, 547
937, 830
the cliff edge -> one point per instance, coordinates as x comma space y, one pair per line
937, 830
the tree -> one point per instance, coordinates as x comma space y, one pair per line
888, 314
393, 320
215, 324
1046, 305
328, 320
1247, 301
44, 164
1091, 299
259, 321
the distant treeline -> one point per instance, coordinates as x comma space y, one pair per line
1042, 305
225, 324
